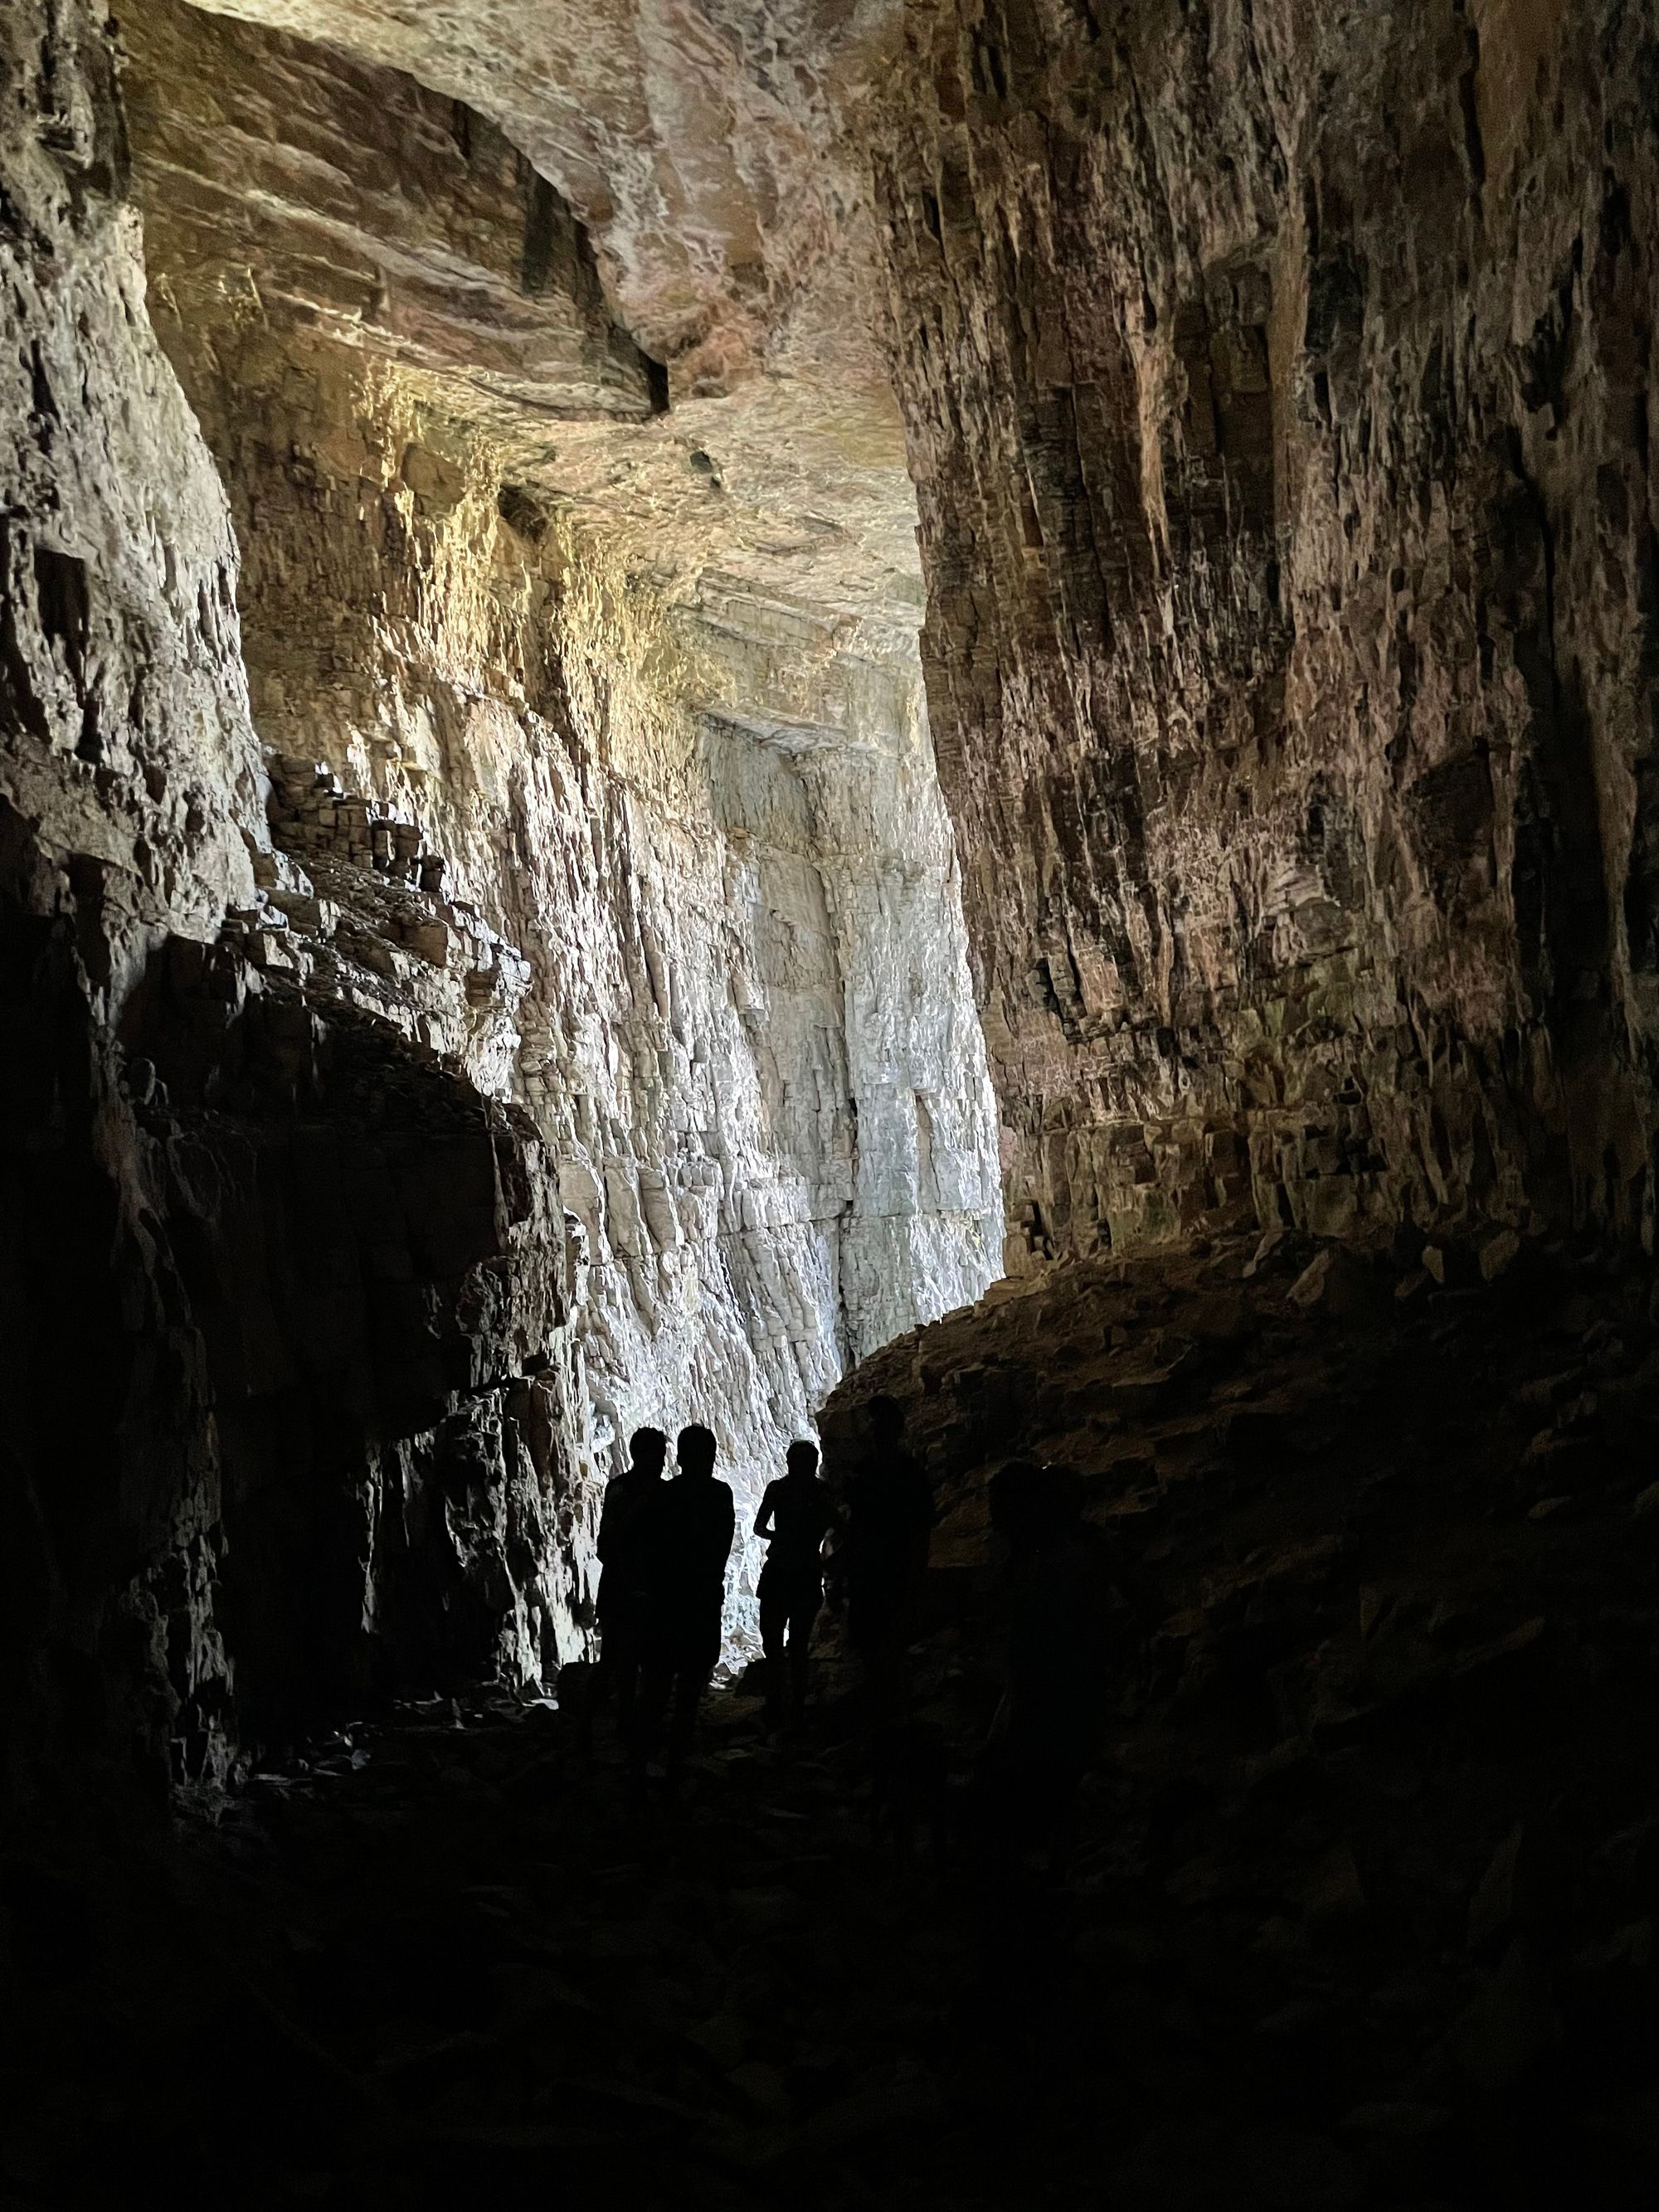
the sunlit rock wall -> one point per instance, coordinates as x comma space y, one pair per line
669, 864
283, 1300
1278, 381
452, 1033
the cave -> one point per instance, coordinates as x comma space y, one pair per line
799, 721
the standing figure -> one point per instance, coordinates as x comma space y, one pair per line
628, 1501
889, 1519
688, 1538
795, 1516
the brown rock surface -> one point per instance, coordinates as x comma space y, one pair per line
1275, 382
1274, 385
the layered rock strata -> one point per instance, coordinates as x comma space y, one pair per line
1277, 383
1275, 386
703, 152
471, 1002
711, 829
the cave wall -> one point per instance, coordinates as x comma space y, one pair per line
550, 791
130, 771
1278, 382
476, 976
705, 830
1274, 381
283, 1293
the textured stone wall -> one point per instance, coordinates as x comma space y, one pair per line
1278, 382
466, 995
1275, 386
711, 831
497, 973
292, 1406
129, 769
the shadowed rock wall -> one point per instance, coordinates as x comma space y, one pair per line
1278, 381
287, 1372
125, 718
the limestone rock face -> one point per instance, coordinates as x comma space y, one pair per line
692, 141
711, 831
121, 684
130, 774
704, 152
476, 994
1277, 381
1274, 383
282, 1296
285, 181
550, 803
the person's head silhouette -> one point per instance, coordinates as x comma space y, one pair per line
695, 1450
886, 1418
647, 1450
803, 1457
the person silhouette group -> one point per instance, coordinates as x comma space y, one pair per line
664, 1546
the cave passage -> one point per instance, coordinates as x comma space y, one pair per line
1355, 1909
804, 723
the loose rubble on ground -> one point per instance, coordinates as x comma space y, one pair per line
1361, 1912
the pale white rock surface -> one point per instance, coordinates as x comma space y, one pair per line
657, 854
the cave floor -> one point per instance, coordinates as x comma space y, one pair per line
1360, 1914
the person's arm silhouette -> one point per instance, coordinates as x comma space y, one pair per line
766, 1522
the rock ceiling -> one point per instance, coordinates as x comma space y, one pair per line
700, 148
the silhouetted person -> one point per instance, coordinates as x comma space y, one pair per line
795, 1515
622, 1582
688, 1538
1058, 1601
889, 1518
